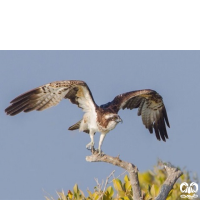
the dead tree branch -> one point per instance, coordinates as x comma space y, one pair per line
173, 174
131, 169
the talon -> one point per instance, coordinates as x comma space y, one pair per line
100, 152
93, 150
90, 146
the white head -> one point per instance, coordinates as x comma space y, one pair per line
113, 120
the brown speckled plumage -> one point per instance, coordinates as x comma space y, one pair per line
150, 106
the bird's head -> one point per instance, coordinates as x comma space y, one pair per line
112, 119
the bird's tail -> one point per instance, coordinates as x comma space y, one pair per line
75, 126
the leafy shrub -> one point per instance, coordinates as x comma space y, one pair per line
150, 183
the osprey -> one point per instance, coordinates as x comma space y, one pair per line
102, 118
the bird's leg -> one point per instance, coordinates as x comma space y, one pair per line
102, 136
90, 145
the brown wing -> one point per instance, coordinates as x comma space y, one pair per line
150, 106
50, 95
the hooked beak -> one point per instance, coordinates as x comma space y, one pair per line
119, 120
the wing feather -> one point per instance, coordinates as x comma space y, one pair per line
165, 116
144, 114
24, 95
148, 113
140, 107
156, 131
150, 106
50, 95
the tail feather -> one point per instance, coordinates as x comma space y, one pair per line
75, 126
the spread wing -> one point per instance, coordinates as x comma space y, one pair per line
150, 106
50, 95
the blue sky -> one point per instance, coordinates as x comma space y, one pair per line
37, 152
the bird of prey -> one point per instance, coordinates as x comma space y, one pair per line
102, 118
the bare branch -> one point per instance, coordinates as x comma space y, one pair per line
131, 169
173, 174
118, 176
106, 183
99, 186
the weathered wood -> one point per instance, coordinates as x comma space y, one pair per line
173, 174
131, 169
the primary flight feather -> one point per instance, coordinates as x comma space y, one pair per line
102, 118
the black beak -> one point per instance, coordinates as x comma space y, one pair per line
119, 120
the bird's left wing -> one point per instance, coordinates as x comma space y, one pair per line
51, 94
150, 106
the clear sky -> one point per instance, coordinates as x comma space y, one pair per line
38, 153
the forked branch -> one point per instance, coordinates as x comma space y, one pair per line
173, 174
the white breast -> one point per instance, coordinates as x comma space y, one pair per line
89, 122
111, 125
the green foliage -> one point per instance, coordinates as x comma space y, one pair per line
150, 183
